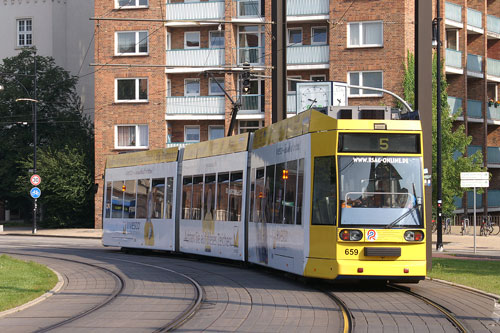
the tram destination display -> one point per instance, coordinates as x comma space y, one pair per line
379, 143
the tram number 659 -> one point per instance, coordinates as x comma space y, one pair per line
351, 252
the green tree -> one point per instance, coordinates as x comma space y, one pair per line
64, 134
454, 141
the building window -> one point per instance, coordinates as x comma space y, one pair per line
319, 35
131, 90
250, 44
214, 88
452, 38
294, 36
215, 132
131, 136
318, 78
248, 8
192, 40
292, 84
365, 34
216, 39
24, 32
192, 87
191, 133
367, 79
131, 43
246, 126
119, 4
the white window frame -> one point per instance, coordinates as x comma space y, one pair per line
185, 86
186, 33
169, 88
361, 95
312, 35
25, 33
137, 85
192, 127
169, 41
210, 38
137, 41
215, 126
288, 91
260, 34
136, 5
137, 135
323, 76
361, 29
256, 128
288, 36
210, 92
457, 36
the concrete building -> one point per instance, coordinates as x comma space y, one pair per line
471, 52
152, 86
57, 28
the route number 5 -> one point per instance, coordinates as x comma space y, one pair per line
384, 143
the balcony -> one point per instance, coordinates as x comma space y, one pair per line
493, 198
291, 104
470, 201
453, 15
307, 55
192, 11
494, 115
493, 27
455, 104
493, 69
475, 65
195, 107
453, 61
252, 55
493, 157
196, 57
474, 110
474, 21
307, 8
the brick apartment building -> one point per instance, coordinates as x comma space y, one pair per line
471, 52
153, 89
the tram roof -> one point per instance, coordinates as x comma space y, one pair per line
142, 158
314, 121
222, 146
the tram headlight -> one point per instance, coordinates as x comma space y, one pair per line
414, 235
350, 235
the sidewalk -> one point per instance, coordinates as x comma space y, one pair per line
69, 233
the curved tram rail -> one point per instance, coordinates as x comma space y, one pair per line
173, 324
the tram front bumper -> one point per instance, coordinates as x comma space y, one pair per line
381, 268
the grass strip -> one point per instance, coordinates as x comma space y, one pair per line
22, 281
480, 274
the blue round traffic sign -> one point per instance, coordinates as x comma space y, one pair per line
35, 193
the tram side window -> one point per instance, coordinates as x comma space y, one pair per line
170, 197
300, 192
279, 190
324, 191
197, 197
117, 200
269, 194
252, 195
158, 196
129, 199
187, 192
142, 198
289, 202
209, 198
235, 196
107, 207
222, 197
259, 195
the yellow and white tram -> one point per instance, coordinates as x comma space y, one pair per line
311, 195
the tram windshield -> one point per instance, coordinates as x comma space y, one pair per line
383, 191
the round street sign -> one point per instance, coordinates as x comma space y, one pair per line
35, 193
35, 180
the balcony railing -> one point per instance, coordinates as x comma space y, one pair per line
474, 63
248, 8
307, 7
474, 18
493, 67
291, 103
211, 10
453, 58
252, 55
470, 200
251, 103
493, 198
474, 109
493, 24
200, 105
307, 54
493, 113
493, 155
453, 12
471, 150
455, 104
195, 57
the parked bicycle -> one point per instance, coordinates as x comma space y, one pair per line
465, 226
488, 228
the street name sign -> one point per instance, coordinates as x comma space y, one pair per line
474, 179
474, 175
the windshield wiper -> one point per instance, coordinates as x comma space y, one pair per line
399, 219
